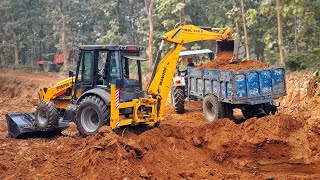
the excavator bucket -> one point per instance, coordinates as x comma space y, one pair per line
23, 124
234, 46
239, 50
226, 45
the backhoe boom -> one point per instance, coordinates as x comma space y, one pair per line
162, 76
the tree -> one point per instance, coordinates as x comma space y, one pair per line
31, 28
280, 35
245, 30
182, 13
63, 35
149, 12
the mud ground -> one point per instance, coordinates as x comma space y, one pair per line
281, 146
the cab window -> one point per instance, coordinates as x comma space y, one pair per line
85, 68
115, 68
130, 69
102, 62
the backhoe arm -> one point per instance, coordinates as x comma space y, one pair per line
163, 72
190, 33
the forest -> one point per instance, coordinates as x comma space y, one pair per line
268, 28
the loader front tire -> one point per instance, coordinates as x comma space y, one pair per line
178, 99
47, 116
213, 109
92, 113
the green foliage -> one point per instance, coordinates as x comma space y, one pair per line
34, 27
306, 60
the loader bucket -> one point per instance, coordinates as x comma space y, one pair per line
23, 124
226, 45
232, 45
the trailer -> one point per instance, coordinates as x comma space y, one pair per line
252, 91
50, 62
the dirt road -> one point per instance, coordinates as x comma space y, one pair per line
282, 146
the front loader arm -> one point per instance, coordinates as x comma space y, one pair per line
58, 90
163, 73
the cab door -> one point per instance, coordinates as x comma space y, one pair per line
84, 77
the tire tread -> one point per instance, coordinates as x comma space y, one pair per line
179, 97
104, 113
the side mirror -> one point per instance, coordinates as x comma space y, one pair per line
71, 73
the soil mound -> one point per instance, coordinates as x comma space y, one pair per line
222, 62
17, 88
281, 146
314, 87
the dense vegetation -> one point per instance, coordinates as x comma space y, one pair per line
29, 28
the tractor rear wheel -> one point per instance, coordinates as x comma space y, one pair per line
47, 116
213, 109
47, 67
92, 113
178, 99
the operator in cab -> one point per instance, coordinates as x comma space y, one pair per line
190, 63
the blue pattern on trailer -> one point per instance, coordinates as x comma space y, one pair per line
245, 87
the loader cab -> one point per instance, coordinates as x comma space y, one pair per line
100, 66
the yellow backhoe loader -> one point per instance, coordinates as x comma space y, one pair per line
106, 88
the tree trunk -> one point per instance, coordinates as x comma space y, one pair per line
117, 11
237, 29
295, 35
149, 9
245, 30
182, 14
2, 58
33, 56
15, 49
63, 38
280, 34
236, 22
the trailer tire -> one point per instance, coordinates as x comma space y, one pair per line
178, 99
213, 109
270, 109
228, 108
40, 67
92, 113
47, 116
248, 113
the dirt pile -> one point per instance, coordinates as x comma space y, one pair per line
19, 91
218, 150
314, 87
303, 96
282, 146
222, 62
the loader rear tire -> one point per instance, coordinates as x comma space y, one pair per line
178, 99
47, 116
213, 109
92, 113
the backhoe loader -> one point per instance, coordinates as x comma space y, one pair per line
106, 88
